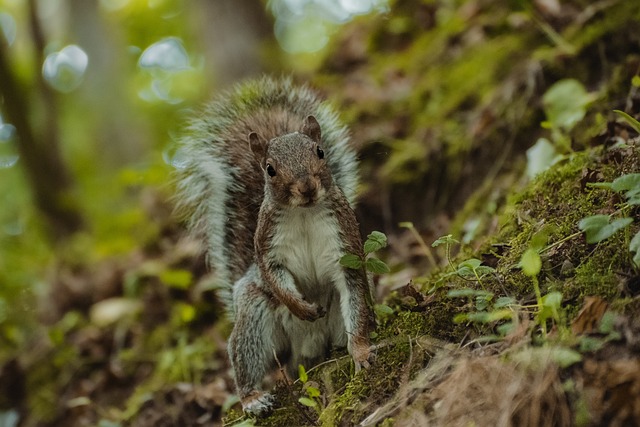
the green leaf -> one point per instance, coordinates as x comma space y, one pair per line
600, 227
375, 241
383, 309
491, 316
635, 81
465, 271
185, 312
376, 266
565, 357
606, 185
484, 269
351, 261
634, 246
378, 237
626, 182
371, 246
505, 328
482, 302
473, 266
177, 278
565, 103
541, 237
448, 240
607, 323
629, 120
537, 357
504, 302
308, 402
531, 263
540, 157
312, 392
489, 338
633, 196
302, 374
589, 344
460, 317
552, 300
551, 304
468, 292
472, 263
464, 292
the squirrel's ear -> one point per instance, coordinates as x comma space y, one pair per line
258, 147
311, 128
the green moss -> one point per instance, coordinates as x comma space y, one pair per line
559, 199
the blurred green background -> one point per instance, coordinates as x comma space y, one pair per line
94, 93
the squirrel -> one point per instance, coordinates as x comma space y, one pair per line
269, 180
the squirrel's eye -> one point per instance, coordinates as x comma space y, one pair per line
320, 153
270, 170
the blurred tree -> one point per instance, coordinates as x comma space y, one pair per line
104, 89
33, 112
233, 34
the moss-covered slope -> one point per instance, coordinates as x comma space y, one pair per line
445, 97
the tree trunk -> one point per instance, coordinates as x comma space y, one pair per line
233, 31
39, 147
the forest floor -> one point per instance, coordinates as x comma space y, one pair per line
526, 311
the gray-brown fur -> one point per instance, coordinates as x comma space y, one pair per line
271, 184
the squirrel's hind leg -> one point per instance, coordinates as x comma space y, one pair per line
252, 344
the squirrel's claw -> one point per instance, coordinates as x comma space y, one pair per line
321, 311
363, 357
258, 403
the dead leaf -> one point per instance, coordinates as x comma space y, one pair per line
588, 319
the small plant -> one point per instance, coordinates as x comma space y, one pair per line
375, 241
447, 241
565, 105
635, 125
548, 306
486, 310
470, 269
600, 227
310, 388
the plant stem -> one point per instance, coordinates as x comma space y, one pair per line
423, 246
448, 255
569, 237
536, 288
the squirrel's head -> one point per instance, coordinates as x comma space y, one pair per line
294, 165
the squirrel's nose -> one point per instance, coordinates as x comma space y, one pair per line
307, 190
310, 189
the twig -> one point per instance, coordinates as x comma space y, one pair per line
281, 369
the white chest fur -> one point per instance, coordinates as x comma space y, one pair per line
308, 245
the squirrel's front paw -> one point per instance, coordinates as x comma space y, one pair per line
320, 311
311, 312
